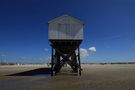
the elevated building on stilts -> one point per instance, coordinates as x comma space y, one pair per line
65, 35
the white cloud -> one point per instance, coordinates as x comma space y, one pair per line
3, 55
41, 59
49, 58
92, 49
84, 52
46, 49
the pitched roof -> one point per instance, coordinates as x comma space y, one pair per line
57, 18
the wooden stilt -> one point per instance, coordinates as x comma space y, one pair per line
79, 61
71, 58
52, 61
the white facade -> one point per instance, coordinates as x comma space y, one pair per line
65, 28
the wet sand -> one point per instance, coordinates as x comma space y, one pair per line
94, 77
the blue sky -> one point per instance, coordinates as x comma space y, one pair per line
109, 27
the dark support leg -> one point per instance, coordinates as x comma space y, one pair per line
52, 63
57, 62
79, 61
74, 64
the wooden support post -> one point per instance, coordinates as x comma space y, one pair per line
79, 61
57, 62
52, 61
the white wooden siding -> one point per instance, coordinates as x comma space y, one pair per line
65, 28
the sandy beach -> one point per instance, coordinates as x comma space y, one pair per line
94, 77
